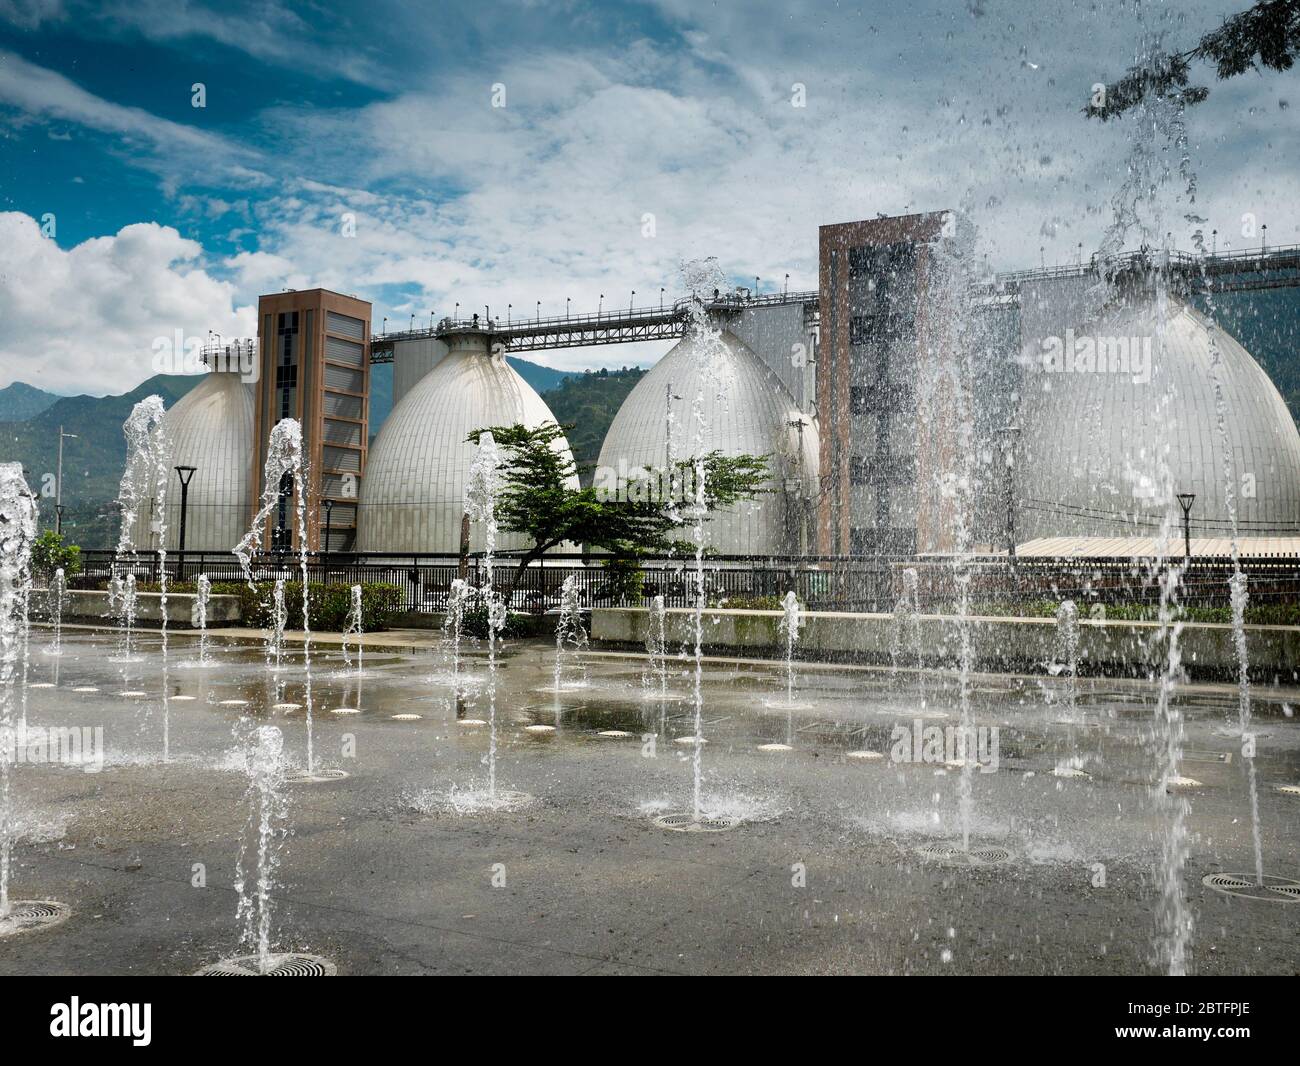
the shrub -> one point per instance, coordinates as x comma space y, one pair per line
50, 552
329, 605
623, 580
474, 624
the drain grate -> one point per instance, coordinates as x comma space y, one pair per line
1069, 771
345, 710
281, 966
775, 747
315, 777
614, 734
407, 717
1234, 733
953, 854
686, 822
27, 915
1289, 790
865, 754
1273, 890
539, 729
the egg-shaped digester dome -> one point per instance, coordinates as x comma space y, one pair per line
211, 429
743, 409
413, 494
1107, 406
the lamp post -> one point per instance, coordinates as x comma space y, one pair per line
1185, 501
58, 484
329, 513
185, 473
1009, 435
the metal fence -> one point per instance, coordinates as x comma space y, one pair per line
820, 582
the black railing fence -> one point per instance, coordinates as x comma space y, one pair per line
832, 583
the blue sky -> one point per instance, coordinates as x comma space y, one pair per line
634, 136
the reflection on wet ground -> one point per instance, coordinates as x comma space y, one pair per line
379, 869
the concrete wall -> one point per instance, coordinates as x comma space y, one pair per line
998, 643
84, 605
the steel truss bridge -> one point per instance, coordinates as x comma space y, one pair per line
1253, 270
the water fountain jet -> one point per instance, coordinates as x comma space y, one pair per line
17, 533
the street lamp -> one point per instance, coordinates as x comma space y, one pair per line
58, 484
184, 473
1009, 435
1185, 501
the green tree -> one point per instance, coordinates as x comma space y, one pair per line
49, 553
537, 498
1266, 35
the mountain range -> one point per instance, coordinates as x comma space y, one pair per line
94, 454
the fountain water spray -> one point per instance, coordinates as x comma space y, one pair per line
129, 605
354, 629
259, 854
906, 635
655, 681
947, 409
480, 504
1238, 588
704, 275
58, 591
279, 619
204, 590
453, 624
145, 478
788, 626
1158, 133
285, 472
1067, 638
261, 843
17, 533
570, 635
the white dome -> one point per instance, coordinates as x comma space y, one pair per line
211, 428
1094, 436
413, 492
745, 410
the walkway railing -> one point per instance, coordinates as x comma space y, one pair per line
820, 582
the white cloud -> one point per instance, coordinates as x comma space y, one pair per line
455, 201
86, 319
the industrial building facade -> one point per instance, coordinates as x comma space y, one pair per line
901, 407
314, 351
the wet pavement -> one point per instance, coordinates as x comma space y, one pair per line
398, 868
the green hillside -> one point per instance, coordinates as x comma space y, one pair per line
92, 463
20, 401
1267, 323
590, 401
